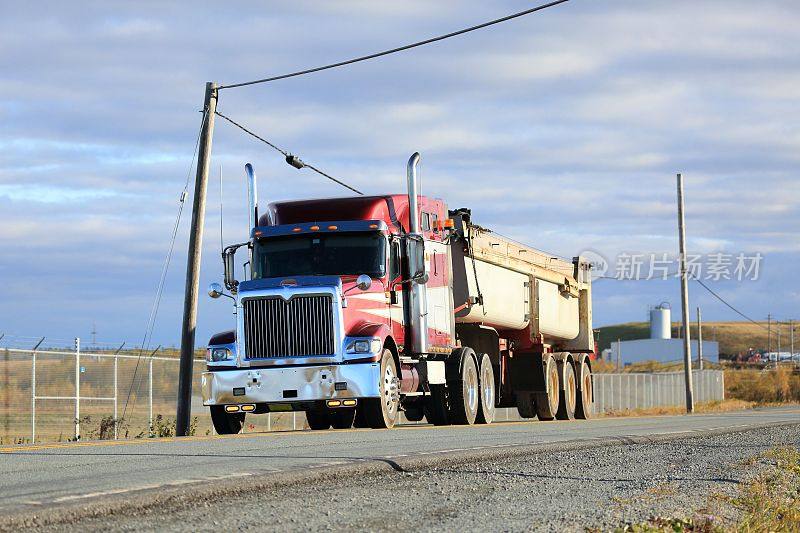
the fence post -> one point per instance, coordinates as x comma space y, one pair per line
33, 398
116, 422
150, 398
77, 388
294, 420
269, 421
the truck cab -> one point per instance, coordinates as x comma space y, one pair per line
327, 317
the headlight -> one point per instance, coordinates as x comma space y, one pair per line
364, 346
219, 354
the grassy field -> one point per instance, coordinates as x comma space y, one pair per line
733, 337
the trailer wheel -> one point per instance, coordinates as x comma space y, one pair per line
526, 404
568, 392
343, 418
547, 402
585, 406
382, 412
436, 406
318, 419
463, 388
226, 423
486, 407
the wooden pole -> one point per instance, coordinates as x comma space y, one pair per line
699, 340
687, 348
184, 408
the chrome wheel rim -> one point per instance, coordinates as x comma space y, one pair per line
488, 389
471, 386
390, 390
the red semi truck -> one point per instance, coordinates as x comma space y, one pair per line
357, 309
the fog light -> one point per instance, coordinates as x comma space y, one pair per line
231, 408
334, 403
349, 403
248, 407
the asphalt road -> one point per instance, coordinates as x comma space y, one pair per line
42, 477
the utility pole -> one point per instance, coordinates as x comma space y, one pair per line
769, 333
619, 355
791, 338
699, 340
184, 408
687, 348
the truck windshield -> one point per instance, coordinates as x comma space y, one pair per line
320, 254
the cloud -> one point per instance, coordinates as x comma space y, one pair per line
564, 130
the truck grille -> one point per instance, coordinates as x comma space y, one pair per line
274, 327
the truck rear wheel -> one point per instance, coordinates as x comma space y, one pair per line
526, 404
585, 406
486, 407
383, 412
547, 402
226, 423
436, 406
318, 418
343, 418
568, 391
463, 388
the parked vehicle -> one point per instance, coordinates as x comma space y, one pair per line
357, 309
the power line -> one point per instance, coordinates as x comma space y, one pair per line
148, 334
293, 160
718, 297
398, 49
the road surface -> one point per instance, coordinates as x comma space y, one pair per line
43, 479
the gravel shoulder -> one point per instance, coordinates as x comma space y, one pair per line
600, 487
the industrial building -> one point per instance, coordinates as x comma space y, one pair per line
660, 346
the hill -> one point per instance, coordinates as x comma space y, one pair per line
733, 337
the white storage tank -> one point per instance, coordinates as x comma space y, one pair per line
660, 321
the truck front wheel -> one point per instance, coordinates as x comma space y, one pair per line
383, 412
226, 423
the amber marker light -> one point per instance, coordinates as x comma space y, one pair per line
349, 403
332, 228
373, 226
231, 408
314, 228
296, 229
449, 224
334, 403
248, 408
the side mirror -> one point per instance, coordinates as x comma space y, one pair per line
228, 257
215, 290
363, 282
422, 279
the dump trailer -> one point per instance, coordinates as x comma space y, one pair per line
357, 309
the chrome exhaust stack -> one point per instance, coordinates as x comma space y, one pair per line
252, 197
419, 304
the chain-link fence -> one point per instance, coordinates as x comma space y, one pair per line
56, 395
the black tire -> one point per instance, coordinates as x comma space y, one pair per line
414, 412
436, 406
226, 423
487, 392
342, 418
463, 389
360, 420
526, 404
383, 412
584, 409
568, 391
547, 402
318, 419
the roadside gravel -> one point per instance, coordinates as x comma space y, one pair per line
601, 487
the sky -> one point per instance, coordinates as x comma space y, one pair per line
563, 129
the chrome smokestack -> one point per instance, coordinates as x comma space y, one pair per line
419, 303
252, 197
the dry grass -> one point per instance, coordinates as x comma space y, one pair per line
777, 385
710, 407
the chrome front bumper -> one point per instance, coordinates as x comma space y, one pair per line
279, 385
